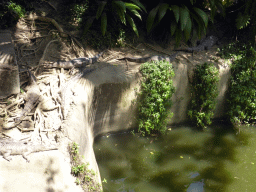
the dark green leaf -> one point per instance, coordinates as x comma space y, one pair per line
131, 22
151, 18
121, 10
139, 4
134, 12
173, 27
121, 5
202, 15
132, 6
200, 24
242, 20
103, 23
100, 9
162, 10
187, 30
88, 24
176, 11
184, 17
178, 37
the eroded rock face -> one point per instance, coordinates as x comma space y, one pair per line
102, 103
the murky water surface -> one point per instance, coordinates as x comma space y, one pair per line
217, 159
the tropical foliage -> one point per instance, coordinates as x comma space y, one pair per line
109, 10
184, 18
156, 92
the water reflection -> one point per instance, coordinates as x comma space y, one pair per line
196, 186
183, 160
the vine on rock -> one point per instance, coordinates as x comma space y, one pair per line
156, 92
204, 93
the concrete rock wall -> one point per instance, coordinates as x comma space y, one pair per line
103, 102
9, 73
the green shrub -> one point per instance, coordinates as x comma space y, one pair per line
242, 89
204, 93
156, 92
84, 176
234, 50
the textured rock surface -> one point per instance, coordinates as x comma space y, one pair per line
9, 73
47, 171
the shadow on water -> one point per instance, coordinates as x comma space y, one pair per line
182, 160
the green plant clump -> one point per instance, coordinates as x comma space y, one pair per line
156, 92
242, 89
78, 10
17, 9
204, 93
85, 176
234, 50
10, 12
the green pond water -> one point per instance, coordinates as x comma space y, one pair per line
185, 159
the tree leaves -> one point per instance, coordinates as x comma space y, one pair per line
184, 17
187, 29
183, 22
176, 11
124, 10
121, 10
242, 20
173, 27
163, 7
102, 4
201, 15
132, 24
136, 2
151, 18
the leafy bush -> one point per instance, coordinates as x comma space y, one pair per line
204, 93
242, 89
156, 92
234, 50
